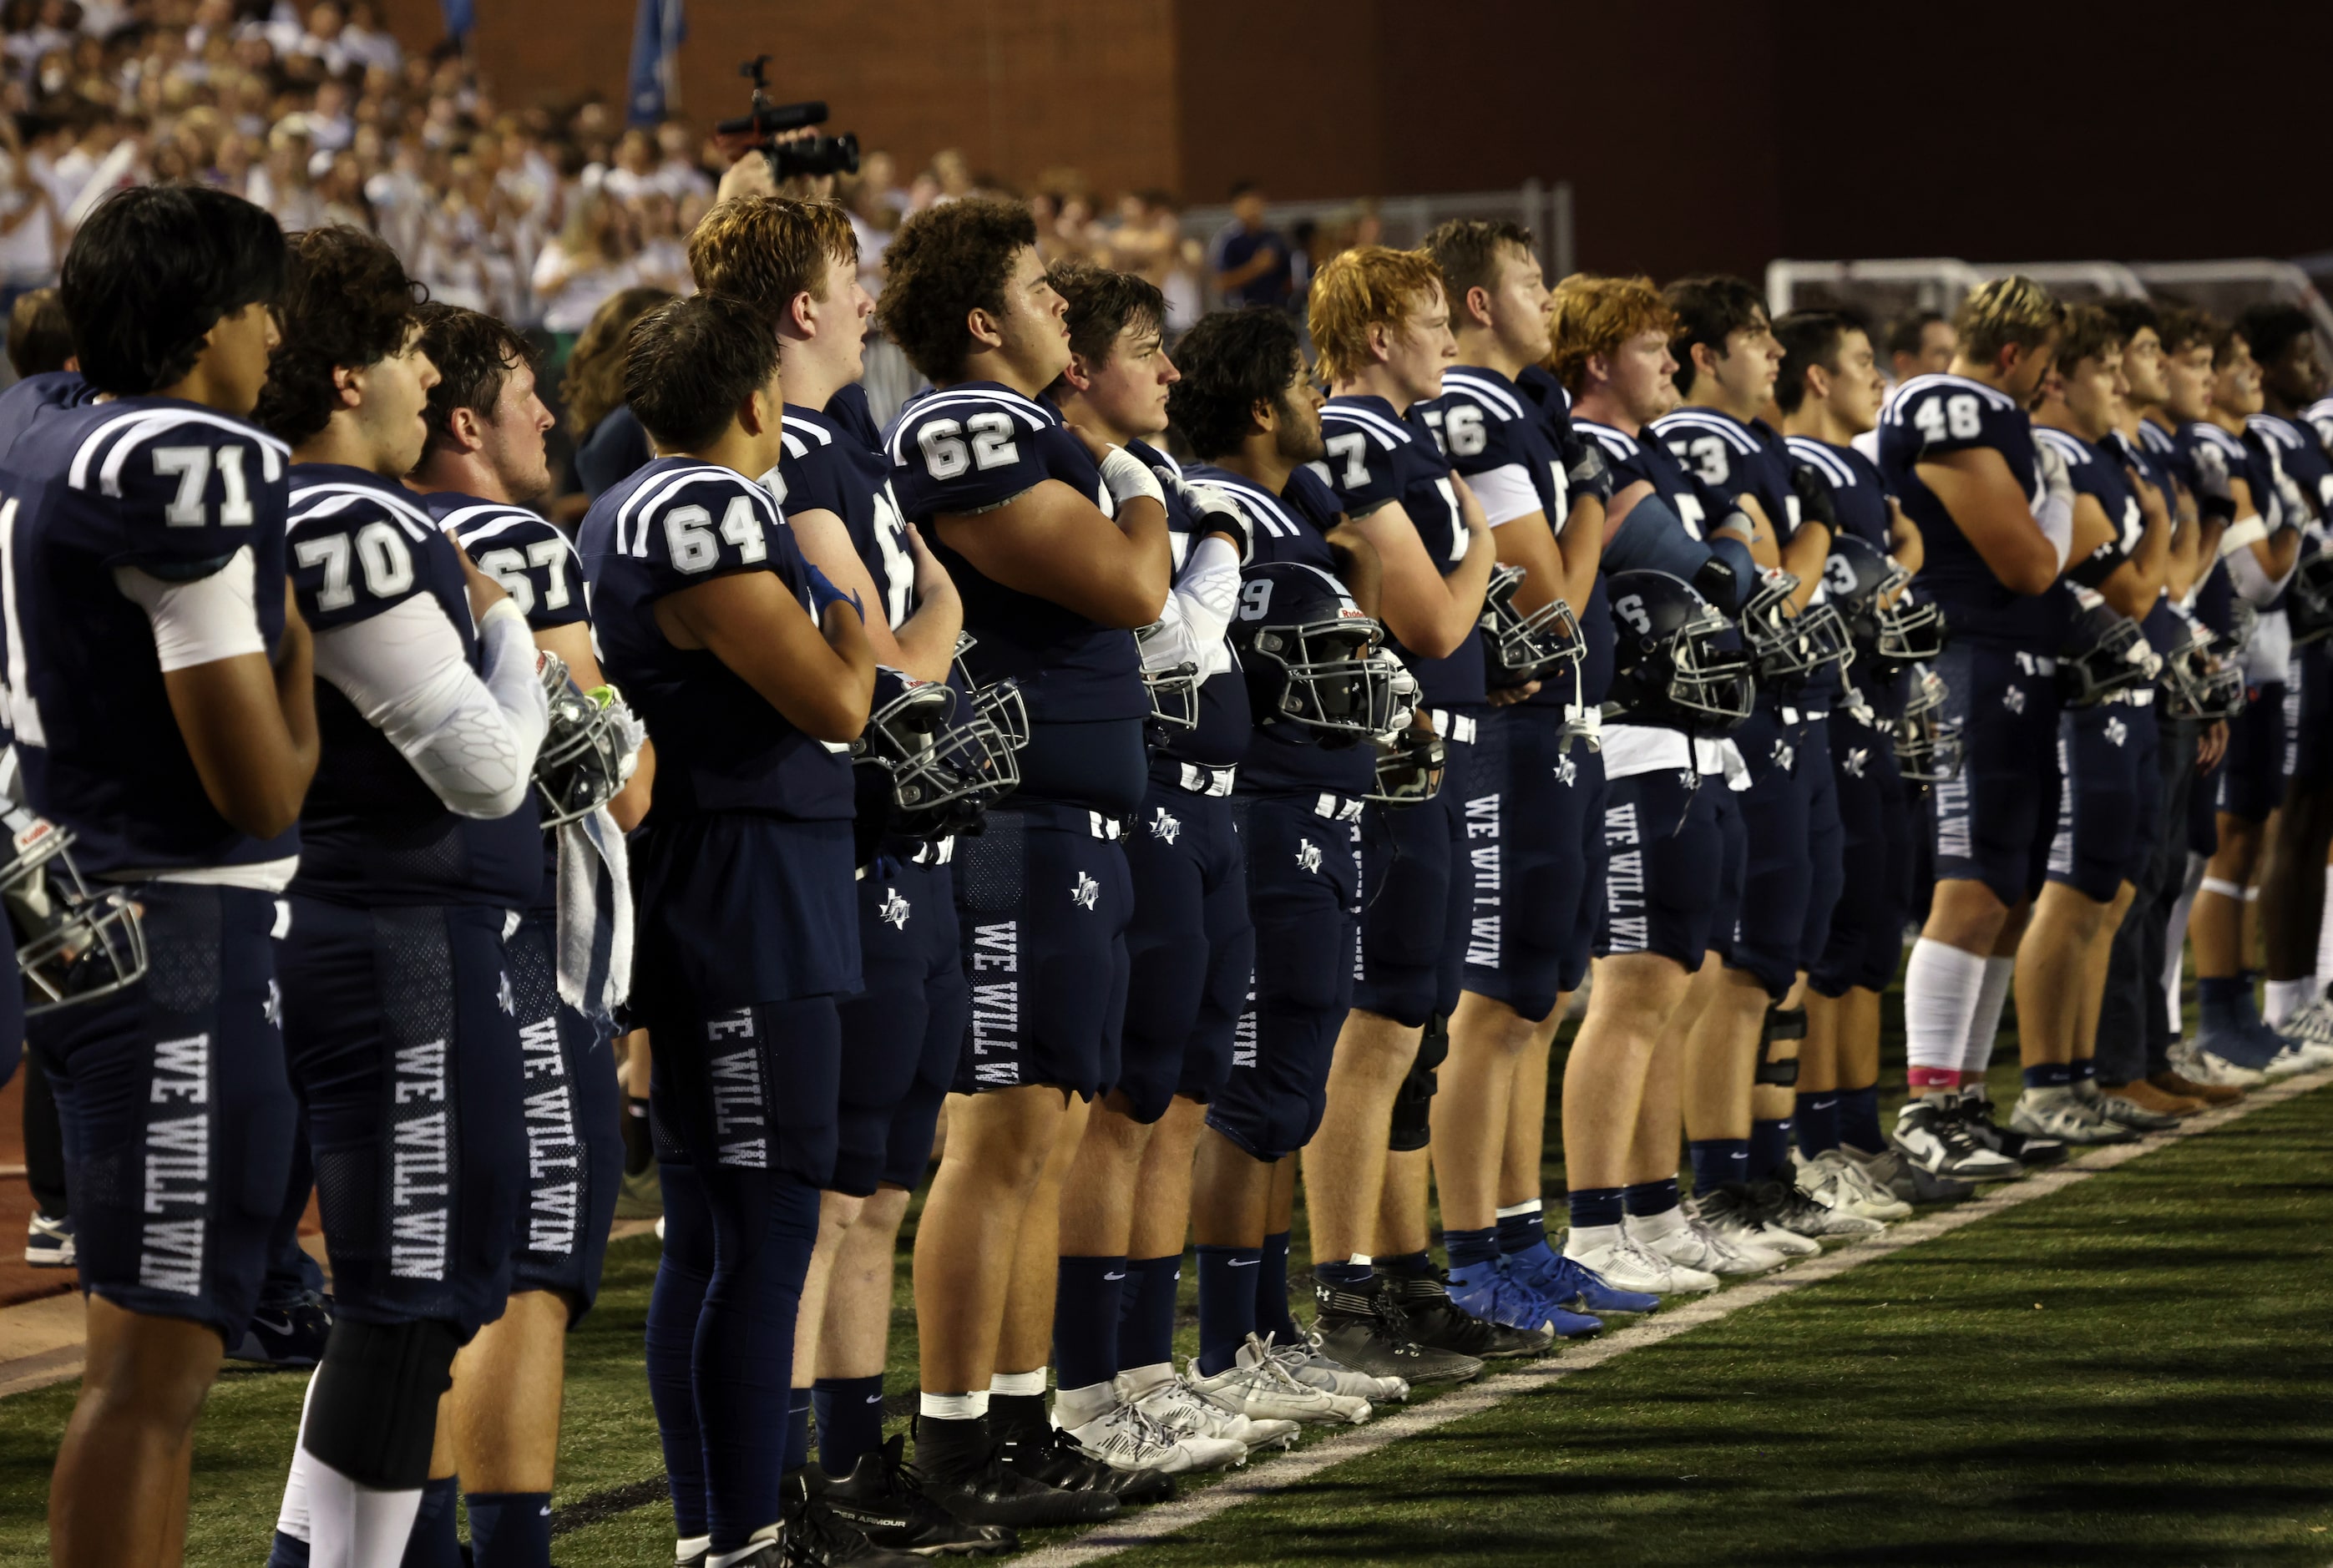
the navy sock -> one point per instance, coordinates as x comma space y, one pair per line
2049, 1076
1817, 1122
1770, 1150
675, 1308
797, 1428
1146, 1319
1227, 1303
2220, 995
1858, 1119
509, 1529
1354, 1276
1468, 1248
435, 1543
1647, 1198
639, 1144
1085, 1321
1522, 1232
1016, 1417
1404, 1263
2086, 1069
849, 1420
1593, 1206
1272, 1315
1719, 1162
289, 1552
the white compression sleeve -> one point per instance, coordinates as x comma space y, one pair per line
200, 621
1940, 996
471, 737
1198, 610
1984, 1024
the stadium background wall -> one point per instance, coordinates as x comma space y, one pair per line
1696, 133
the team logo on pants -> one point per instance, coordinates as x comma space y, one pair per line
1165, 827
421, 1162
2117, 732
741, 1123
555, 1205
2013, 698
1307, 855
1085, 891
1566, 772
1631, 928
1857, 758
177, 1168
893, 910
995, 1004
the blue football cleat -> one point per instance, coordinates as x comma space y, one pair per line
1569, 1285
1499, 1294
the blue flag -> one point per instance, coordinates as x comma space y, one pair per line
657, 36
461, 17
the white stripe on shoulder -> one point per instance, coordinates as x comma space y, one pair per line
1714, 424
1474, 384
2232, 446
137, 426
1029, 413
1389, 433
1892, 413
1261, 502
1617, 442
796, 423
650, 493
2071, 447
1819, 455
476, 524
418, 525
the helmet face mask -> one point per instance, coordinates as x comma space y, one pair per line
999, 702
938, 774
2200, 685
1523, 648
1410, 764
587, 754
1676, 659
2104, 653
1927, 748
1174, 694
2309, 597
1884, 619
79, 944
1792, 647
1309, 657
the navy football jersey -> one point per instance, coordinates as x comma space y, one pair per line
828, 468
2295, 446
2244, 460
847, 411
2162, 624
535, 563
1634, 458
2097, 472
372, 830
1928, 417
1290, 526
967, 450
720, 745
1856, 492
2318, 416
1376, 456
1733, 458
1220, 739
174, 488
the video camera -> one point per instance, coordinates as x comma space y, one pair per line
805, 156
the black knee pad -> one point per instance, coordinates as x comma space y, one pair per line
1782, 1024
373, 1414
1413, 1104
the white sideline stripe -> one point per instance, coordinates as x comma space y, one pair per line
1156, 1525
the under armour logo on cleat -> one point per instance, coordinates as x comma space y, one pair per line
2013, 700
893, 910
1085, 891
1307, 855
1165, 827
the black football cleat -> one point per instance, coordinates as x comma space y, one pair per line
884, 1498
289, 1336
817, 1536
1440, 1324
1052, 1456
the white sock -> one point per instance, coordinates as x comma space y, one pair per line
688, 1546
291, 1518
353, 1526
1076, 1407
953, 1406
1139, 1380
2174, 936
1021, 1383
1984, 1024
1940, 996
1530, 1205
1653, 1226
2325, 931
2286, 997
1582, 1239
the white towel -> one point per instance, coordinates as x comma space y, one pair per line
595, 915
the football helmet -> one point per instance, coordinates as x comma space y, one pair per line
1307, 654
2104, 653
1927, 749
1519, 649
924, 774
592, 749
1790, 648
1873, 595
73, 943
1676, 659
2200, 682
999, 702
2308, 597
1174, 694
1410, 763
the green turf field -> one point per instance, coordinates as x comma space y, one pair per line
2136, 1369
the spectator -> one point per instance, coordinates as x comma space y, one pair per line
1249, 258
593, 258
1920, 345
39, 339
609, 442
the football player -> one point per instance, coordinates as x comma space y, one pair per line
1251, 414
1919, 344
797, 264
1380, 325
1996, 517
2135, 1023
1665, 766
1742, 1047
484, 464
1190, 947
753, 674
2110, 793
161, 697
2259, 549
1537, 812
1059, 545
2292, 885
1830, 391
419, 836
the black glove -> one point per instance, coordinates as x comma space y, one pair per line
1815, 499
1586, 472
